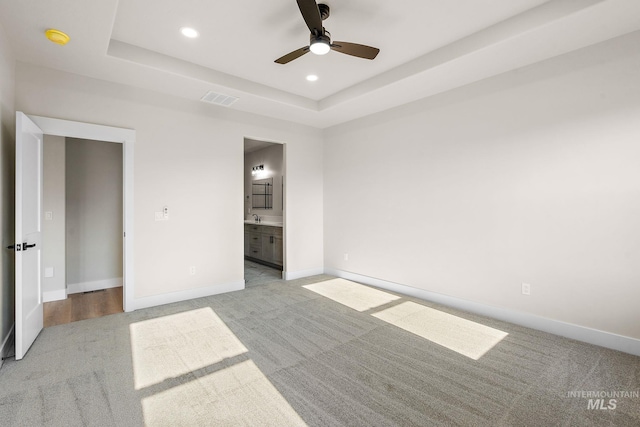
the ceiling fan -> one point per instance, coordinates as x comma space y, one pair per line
320, 39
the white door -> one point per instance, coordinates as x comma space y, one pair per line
29, 314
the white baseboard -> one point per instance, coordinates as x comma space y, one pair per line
153, 301
54, 295
7, 344
292, 275
76, 288
569, 330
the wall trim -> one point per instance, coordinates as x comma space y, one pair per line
7, 344
57, 295
557, 327
96, 285
293, 275
162, 299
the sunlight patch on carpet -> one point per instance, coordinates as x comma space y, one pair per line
174, 345
353, 295
194, 371
464, 336
239, 395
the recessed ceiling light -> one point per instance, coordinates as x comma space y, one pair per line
312, 77
189, 32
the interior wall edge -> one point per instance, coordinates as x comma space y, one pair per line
7, 344
293, 275
7, 184
171, 297
94, 285
57, 295
67, 81
552, 326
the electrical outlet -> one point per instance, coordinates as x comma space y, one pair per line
526, 289
346, 257
192, 270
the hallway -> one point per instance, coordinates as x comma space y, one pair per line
83, 306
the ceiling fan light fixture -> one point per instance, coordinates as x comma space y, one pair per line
320, 47
321, 44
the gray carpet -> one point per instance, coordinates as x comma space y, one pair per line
279, 353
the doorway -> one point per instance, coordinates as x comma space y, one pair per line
126, 137
264, 208
82, 229
29, 215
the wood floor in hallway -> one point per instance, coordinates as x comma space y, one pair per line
83, 306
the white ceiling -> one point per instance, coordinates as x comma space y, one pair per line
426, 47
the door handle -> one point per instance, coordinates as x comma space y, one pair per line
25, 246
17, 247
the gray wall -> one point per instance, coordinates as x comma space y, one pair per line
7, 173
94, 214
532, 176
53, 230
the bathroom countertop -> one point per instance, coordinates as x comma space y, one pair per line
269, 223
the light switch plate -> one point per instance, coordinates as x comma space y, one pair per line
48, 272
159, 216
48, 216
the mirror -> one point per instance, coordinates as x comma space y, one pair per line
262, 193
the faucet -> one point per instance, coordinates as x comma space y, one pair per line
257, 217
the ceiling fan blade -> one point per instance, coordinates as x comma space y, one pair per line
311, 15
292, 55
354, 49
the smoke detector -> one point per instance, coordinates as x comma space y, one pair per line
57, 36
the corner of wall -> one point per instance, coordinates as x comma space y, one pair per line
7, 167
6, 345
580, 333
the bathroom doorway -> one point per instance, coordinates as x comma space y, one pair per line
264, 207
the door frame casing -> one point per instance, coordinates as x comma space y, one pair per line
126, 137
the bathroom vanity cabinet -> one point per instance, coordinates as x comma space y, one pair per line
263, 243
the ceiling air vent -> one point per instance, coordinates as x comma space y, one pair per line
218, 99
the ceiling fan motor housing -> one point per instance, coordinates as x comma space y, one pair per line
325, 11
325, 37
